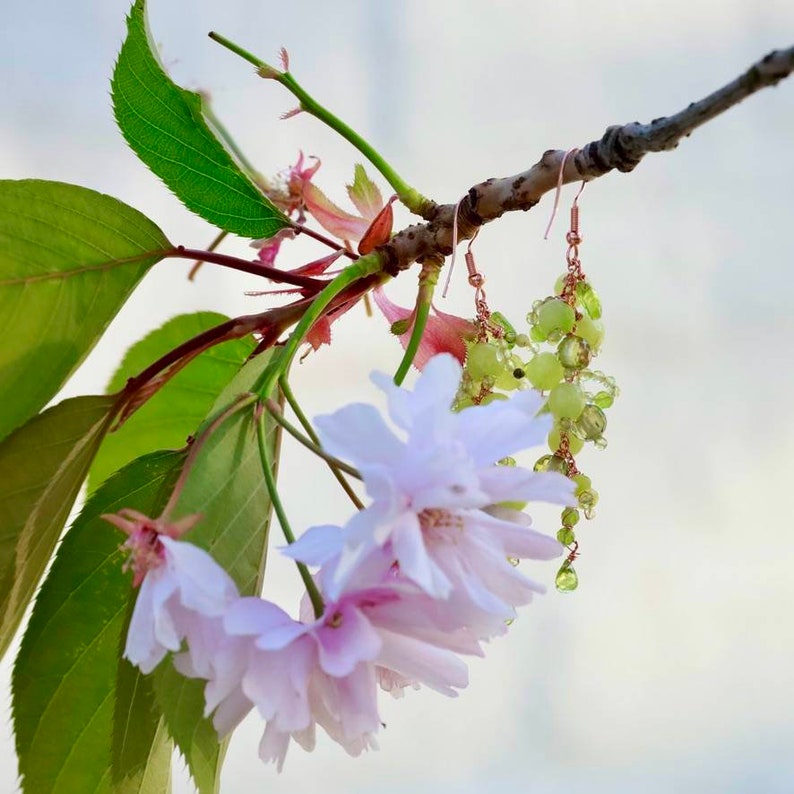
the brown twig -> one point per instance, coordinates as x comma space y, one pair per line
620, 148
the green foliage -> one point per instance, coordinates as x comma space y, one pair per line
178, 408
76, 704
42, 466
226, 485
69, 258
165, 127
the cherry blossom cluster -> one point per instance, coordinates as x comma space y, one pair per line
422, 575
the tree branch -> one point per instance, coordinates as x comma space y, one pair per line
620, 148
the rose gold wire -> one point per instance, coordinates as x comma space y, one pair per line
454, 247
558, 191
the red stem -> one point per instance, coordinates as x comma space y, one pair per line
312, 285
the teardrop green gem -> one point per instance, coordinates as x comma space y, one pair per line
566, 580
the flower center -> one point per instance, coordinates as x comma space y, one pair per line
146, 552
440, 525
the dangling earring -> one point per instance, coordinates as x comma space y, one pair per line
570, 320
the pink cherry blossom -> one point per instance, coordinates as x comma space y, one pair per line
431, 482
444, 333
181, 586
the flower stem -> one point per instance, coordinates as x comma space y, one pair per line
410, 197
270, 481
210, 426
428, 279
313, 443
364, 266
256, 268
221, 236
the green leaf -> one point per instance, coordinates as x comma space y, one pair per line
141, 747
178, 408
165, 127
42, 466
227, 487
69, 685
69, 258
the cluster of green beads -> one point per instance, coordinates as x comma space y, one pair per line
494, 364
569, 325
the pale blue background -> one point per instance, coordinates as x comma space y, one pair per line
671, 668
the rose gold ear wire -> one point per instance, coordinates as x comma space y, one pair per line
558, 191
476, 279
454, 247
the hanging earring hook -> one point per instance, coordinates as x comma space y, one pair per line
454, 247
558, 191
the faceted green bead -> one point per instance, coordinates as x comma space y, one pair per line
566, 401
554, 314
542, 463
588, 498
591, 422
570, 517
544, 371
566, 580
574, 444
559, 284
573, 352
603, 399
566, 536
589, 300
592, 331
499, 319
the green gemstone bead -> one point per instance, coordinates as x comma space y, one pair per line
589, 300
542, 463
570, 517
499, 319
536, 335
544, 371
574, 444
583, 482
566, 401
566, 580
566, 536
558, 463
603, 399
573, 352
591, 422
555, 315
592, 331
588, 499
493, 397
482, 360
559, 284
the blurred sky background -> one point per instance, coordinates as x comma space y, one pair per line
670, 669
